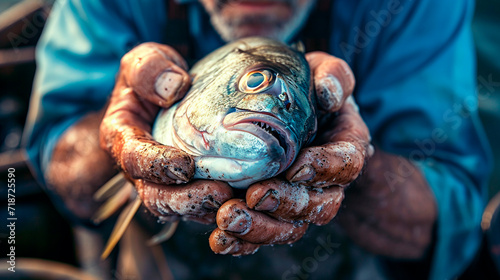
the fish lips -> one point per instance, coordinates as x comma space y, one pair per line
269, 128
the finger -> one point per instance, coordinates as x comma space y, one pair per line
333, 80
291, 202
340, 161
124, 133
156, 73
223, 243
251, 226
198, 200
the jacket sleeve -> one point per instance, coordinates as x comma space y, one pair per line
78, 57
415, 68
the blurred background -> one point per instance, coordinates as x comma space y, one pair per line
42, 233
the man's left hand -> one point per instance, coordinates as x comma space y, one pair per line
278, 210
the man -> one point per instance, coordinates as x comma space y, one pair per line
418, 200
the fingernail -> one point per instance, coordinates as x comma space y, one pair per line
269, 202
304, 174
176, 174
210, 204
233, 248
168, 83
330, 93
237, 221
222, 243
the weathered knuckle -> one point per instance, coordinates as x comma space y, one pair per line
135, 53
312, 56
127, 59
340, 70
332, 62
143, 48
141, 57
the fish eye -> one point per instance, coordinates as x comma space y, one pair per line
256, 80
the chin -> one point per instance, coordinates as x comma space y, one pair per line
239, 25
231, 33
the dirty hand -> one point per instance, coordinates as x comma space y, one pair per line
153, 76
278, 211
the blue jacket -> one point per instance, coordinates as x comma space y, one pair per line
413, 60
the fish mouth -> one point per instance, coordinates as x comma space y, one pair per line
275, 133
267, 127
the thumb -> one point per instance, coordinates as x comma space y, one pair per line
156, 73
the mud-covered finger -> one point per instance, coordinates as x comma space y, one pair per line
147, 159
156, 73
292, 202
252, 226
341, 159
224, 244
333, 80
125, 135
198, 200
331, 164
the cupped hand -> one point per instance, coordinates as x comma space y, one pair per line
153, 76
279, 210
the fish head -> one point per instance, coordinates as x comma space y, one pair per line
248, 113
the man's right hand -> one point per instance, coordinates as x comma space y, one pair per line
153, 76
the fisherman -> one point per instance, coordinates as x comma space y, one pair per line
413, 212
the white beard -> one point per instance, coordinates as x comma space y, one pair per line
281, 31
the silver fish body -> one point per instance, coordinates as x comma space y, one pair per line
249, 111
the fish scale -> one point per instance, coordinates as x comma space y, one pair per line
243, 130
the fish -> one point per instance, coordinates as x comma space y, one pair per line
250, 109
